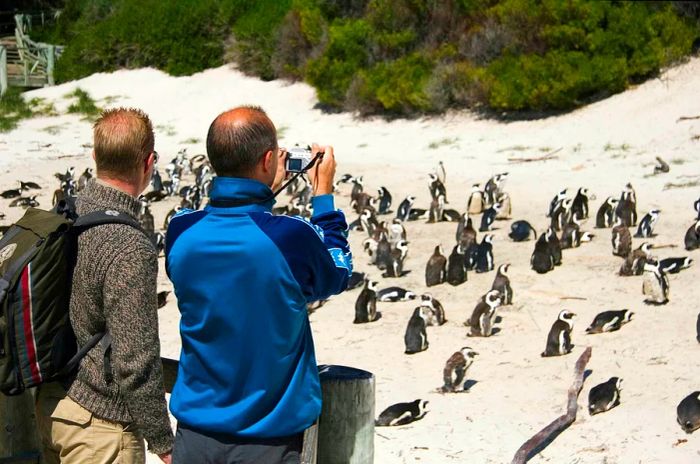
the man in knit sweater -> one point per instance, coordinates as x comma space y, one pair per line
105, 413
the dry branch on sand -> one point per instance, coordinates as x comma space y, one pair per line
546, 157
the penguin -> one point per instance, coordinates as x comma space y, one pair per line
402, 413
416, 338
542, 260
621, 239
395, 264
436, 187
68, 175
504, 206
356, 280
675, 265
457, 266
562, 214
493, 188
475, 204
370, 246
146, 219
578, 237
661, 166
197, 162
556, 201
436, 269
692, 237
368, 221
25, 202
466, 234
484, 255
627, 207
520, 231
502, 284
489, 217
170, 215
29, 185
383, 252
605, 396
580, 204
158, 240
84, 178
450, 215
418, 213
484, 315
554, 246
163, 298
456, 368
696, 205
13, 193
366, 304
559, 337
394, 294
634, 262
404, 209
655, 286
606, 213
357, 187
609, 321
437, 206
688, 412
384, 199
362, 201
570, 233
437, 316
646, 225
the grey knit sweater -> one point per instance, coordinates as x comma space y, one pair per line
114, 289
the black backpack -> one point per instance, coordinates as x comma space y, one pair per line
37, 258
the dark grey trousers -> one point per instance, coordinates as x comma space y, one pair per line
193, 447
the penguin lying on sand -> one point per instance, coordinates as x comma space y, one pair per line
605, 396
456, 368
559, 337
402, 413
675, 265
609, 321
688, 412
394, 294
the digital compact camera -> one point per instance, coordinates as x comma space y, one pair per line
298, 158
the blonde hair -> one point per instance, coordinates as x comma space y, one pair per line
123, 139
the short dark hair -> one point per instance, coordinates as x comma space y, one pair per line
237, 140
123, 139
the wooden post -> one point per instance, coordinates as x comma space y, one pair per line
3, 70
346, 425
19, 442
50, 63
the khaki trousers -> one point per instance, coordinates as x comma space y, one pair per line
72, 434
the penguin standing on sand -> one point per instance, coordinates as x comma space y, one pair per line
466, 234
634, 262
366, 304
384, 199
570, 233
404, 209
475, 204
605, 396
502, 284
675, 265
542, 260
484, 254
383, 259
627, 206
646, 225
457, 266
521, 230
395, 264
606, 213
396, 231
436, 269
562, 214
416, 337
357, 188
609, 321
146, 219
688, 412
655, 285
437, 312
436, 187
559, 337
489, 217
484, 315
84, 178
504, 206
580, 204
456, 368
621, 239
692, 237
555, 202
554, 246
402, 413
437, 208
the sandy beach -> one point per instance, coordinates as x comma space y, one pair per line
514, 391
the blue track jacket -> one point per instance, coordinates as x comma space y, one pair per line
242, 279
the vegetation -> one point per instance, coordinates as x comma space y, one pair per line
14, 108
393, 57
84, 104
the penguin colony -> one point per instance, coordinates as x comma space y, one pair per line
383, 225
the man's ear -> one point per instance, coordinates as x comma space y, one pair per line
93, 156
269, 161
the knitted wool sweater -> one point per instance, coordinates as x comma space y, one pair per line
114, 289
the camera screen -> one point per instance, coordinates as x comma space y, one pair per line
294, 164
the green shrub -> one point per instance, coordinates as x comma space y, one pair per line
84, 104
13, 108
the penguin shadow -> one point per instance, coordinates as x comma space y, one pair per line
466, 388
654, 303
497, 320
385, 275
496, 330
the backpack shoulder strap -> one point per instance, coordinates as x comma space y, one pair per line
98, 218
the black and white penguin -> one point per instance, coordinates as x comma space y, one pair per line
634, 262
696, 205
605, 396
502, 284
688, 412
580, 204
436, 187
357, 188
384, 199
362, 201
493, 188
655, 286
520, 231
29, 185
505, 208
542, 260
450, 215
402, 413
675, 265
606, 213
627, 207
484, 254
437, 316
578, 237
489, 217
570, 233
357, 279
562, 214
556, 201
437, 207
146, 219
457, 266
369, 245
456, 369
404, 209
475, 203
554, 246
25, 202
692, 237
416, 337
646, 225
394, 294
483, 317
396, 231
344, 179
466, 234
170, 215
621, 239
383, 252
68, 175
609, 321
368, 221
394, 266
417, 214
84, 178
559, 337
366, 304
158, 240
436, 269
12, 193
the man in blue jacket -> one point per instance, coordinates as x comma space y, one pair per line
248, 384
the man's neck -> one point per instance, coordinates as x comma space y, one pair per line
120, 185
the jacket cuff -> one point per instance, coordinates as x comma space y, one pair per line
322, 204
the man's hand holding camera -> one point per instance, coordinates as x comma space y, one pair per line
322, 173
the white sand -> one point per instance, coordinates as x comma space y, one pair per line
516, 391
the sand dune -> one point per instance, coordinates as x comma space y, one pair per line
514, 391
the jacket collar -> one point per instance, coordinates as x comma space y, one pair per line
239, 188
